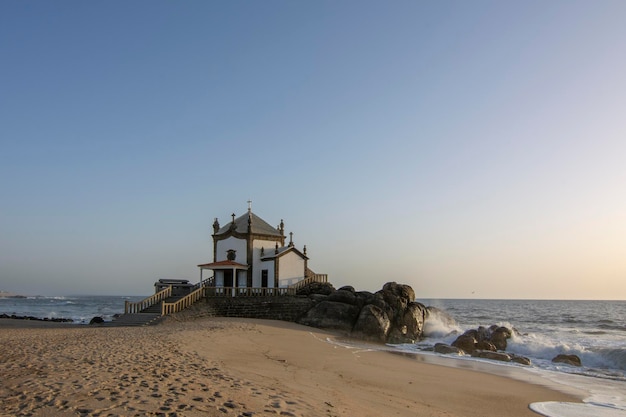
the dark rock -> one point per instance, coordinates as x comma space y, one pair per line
51, 319
397, 336
495, 356
473, 333
412, 321
486, 345
372, 324
343, 296
331, 315
96, 320
397, 297
499, 337
378, 300
318, 298
324, 288
572, 360
364, 298
465, 342
447, 349
504, 330
519, 359
390, 315
482, 333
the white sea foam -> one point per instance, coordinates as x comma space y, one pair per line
561, 409
438, 326
605, 398
592, 330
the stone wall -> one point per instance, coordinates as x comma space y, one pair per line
286, 308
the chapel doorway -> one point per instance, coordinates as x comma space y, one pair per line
228, 278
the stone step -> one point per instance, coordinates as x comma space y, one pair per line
156, 308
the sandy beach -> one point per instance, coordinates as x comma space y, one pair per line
235, 367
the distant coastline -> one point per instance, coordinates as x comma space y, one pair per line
6, 294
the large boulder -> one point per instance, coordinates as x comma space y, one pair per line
522, 360
397, 297
364, 298
324, 288
372, 324
572, 360
331, 315
343, 296
486, 345
499, 337
447, 349
318, 298
411, 323
466, 342
494, 356
390, 315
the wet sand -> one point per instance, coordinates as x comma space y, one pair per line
235, 367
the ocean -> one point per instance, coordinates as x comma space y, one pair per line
79, 308
595, 331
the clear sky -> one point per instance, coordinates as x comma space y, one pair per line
469, 149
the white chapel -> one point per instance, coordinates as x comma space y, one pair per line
250, 254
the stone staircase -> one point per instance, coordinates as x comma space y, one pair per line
146, 317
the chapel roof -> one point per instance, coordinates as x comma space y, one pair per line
275, 253
223, 265
259, 226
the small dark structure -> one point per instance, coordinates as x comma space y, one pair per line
180, 287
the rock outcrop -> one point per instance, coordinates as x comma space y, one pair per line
483, 342
572, 360
51, 319
388, 316
392, 316
489, 339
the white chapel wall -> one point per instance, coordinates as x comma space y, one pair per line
231, 243
269, 247
257, 278
291, 269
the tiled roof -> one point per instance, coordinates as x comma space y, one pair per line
259, 226
271, 253
223, 265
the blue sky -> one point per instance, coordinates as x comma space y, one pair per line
469, 149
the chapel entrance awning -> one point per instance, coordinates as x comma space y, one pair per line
222, 266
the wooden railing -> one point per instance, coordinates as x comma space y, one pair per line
147, 302
207, 282
183, 303
248, 292
308, 280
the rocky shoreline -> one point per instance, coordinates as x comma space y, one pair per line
387, 316
391, 316
33, 318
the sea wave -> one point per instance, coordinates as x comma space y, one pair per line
612, 327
